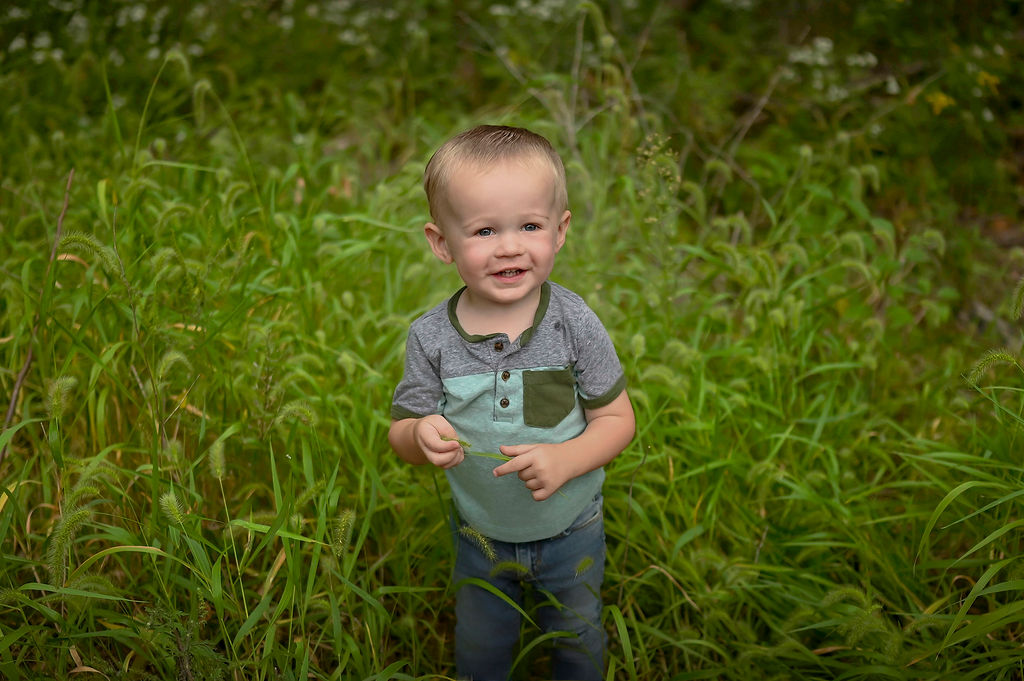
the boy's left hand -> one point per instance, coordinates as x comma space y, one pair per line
540, 468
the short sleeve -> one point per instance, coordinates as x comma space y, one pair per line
598, 371
420, 392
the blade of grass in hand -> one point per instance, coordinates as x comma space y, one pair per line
467, 448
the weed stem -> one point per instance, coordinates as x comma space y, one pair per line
35, 325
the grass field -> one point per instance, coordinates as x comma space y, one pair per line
799, 222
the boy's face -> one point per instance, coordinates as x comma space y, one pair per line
502, 227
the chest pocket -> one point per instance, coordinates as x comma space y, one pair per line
549, 395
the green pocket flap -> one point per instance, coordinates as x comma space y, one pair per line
549, 395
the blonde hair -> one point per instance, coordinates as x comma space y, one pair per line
485, 145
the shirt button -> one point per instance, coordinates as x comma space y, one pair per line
505, 375
504, 402
499, 346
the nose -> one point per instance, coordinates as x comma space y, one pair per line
509, 243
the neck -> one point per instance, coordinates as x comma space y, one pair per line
487, 319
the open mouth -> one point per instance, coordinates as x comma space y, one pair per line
509, 274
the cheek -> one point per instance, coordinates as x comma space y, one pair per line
549, 248
472, 252
469, 260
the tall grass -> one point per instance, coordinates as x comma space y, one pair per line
196, 480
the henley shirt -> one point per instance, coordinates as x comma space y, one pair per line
498, 391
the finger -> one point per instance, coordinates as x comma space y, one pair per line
513, 466
454, 461
514, 450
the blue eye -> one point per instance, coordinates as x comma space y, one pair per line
486, 231
531, 227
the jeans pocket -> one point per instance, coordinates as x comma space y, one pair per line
593, 513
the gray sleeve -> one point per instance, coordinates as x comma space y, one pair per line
420, 392
598, 372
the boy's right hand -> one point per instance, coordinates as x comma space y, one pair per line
438, 441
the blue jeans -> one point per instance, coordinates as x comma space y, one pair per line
566, 571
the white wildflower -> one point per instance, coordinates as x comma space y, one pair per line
836, 93
78, 27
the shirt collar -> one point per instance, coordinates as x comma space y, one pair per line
542, 308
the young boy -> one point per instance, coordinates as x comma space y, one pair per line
515, 364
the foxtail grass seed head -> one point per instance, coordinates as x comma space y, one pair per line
172, 507
341, 533
720, 168
794, 253
176, 56
638, 345
870, 172
92, 583
853, 243
173, 451
510, 567
11, 596
81, 491
1018, 299
348, 363
61, 537
310, 492
199, 91
884, 233
845, 594
92, 248
218, 467
482, 542
297, 409
168, 360
999, 355
57, 397
696, 192
933, 240
165, 263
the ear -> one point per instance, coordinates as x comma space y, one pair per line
438, 244
563, 227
